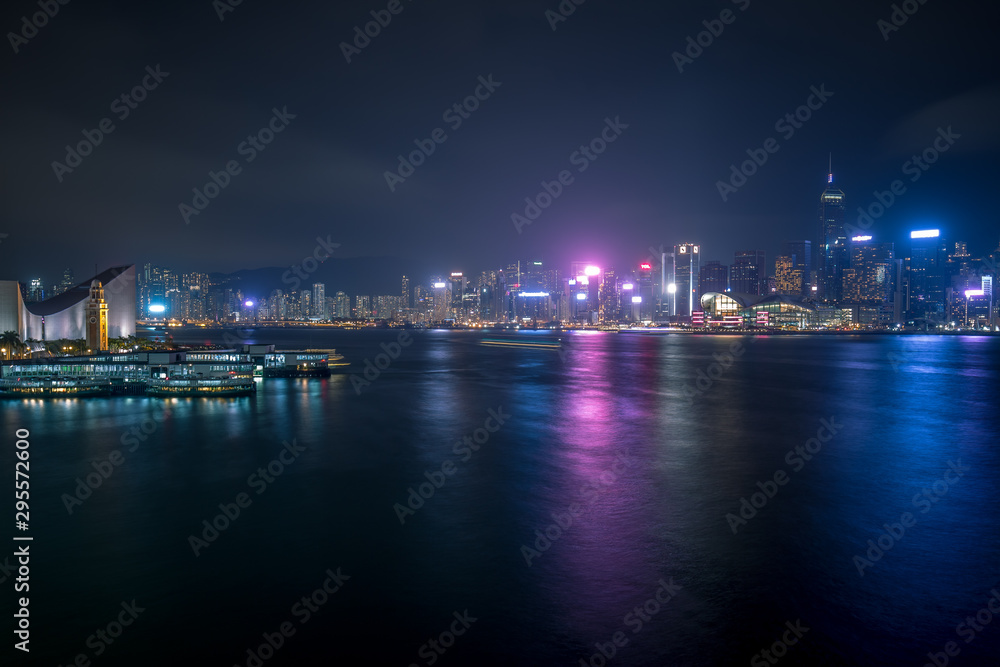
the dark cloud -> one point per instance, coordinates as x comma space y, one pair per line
325, 173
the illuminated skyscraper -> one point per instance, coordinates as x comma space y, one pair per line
585, 285
36, 291
407, 301
153, 300
276, 305
788, 279
423, 300
458, 284
491, 295
925, 279
342, 309
362, 307
194, 289
319, 301
832, 251
610, 297
687, 273
642, 294
801, 254
871, 277
386, 307
528, 278
442, 300
667, 295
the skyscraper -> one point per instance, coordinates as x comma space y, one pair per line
610, 297
491, 295
362, 307
586, 277
714, 278
458, 284
442, 300
276, 305
407, 303
964, 271
386, 307
832, 251
194, 288
67, 282
788, 279
342, 310
925, 280
153, 300
748, 274
36, 291
666, 297
319, 301
644, 291
423, 300
687, 273
872, 269
801, 254
305, 304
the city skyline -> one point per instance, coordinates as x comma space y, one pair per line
520, 332
29, 274
933, 279
764, 266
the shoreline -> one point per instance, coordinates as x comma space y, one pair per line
651, 331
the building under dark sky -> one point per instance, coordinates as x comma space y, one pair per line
222, 139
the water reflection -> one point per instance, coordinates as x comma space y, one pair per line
694, 455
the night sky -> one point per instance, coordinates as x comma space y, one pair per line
324, 174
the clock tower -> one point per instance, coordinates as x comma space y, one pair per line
97, 318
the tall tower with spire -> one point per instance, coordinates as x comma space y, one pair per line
832, 255
97, 318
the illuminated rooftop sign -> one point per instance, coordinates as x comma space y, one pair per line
926, 234
861, 238
534, 293
439, 285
